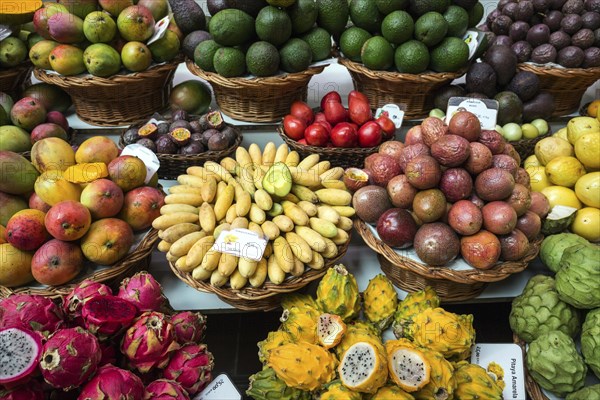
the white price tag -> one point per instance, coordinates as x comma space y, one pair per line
393, 112
159, 30
5, 31
241, 243
510, 358
146, 155
473, 39
485, 109
221, 388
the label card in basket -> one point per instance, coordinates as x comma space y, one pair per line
221, 388
241, 243
510, 357
146, 155
485, 109
5, 31
160, 27
393, 112
473, 39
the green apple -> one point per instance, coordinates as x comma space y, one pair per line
512, 132
541, 125
530, 131
436, 112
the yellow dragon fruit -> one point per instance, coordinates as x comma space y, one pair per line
330, 330
497, 372
338, 294
473, 382
359, 332
413, 304
302, 365
337, 391
391, 392
301, 324
274, 339
451, 334
299, 300
380, 301
407, 365
442, 382
363, 368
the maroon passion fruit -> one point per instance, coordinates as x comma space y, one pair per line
539, 204
481, 250
370, 202
412, 151
382, 168
392, 148
397, 228
456, 184
494, 184
436, 244
520, 199
401, 192
505, 162
423, 172
465, 124
451, 150
465, 218
499, 217
355, 178
493, 140
480, 158
530, 224
414, 136
429, 205
432, 128
513, 246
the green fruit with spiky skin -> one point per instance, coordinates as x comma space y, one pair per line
587, 393
265, 385
553, 247
473, 382
299, 300
338, 294
554, 363
539, 310
578, 280
380, 301
442, 382
391, 392
274, 339
301, 324
335, 390
413, 304
590, 340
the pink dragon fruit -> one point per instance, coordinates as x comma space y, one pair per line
110, 353
69, 358
191, 366
189, 327
113, 383
27, 392
85, 290
163, 389
20, 352
33, 312
144, 292
148, 342
106, 316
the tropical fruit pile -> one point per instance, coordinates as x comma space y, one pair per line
553, 311
565, 168
96, 344
324, 348
410, 36
101, 37
448, 191
13, 51
67, 206
299, 206
337, 126
262, 38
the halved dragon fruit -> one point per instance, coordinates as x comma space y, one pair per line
113, 383
31, 312
149, 341
363, 368
144, 292
189, 326
330, 330
70, 357
85, 290
20, 352
164, 389
26, 392
106, 316
191, 366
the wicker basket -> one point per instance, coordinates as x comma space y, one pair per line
14, 80
119, 99
265, 298
137, 260
412, 93
450, 285
257, 99
533, 389
526, 147
567, 85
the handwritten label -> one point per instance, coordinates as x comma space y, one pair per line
393, 112
160, 28
241, 243
510, 358
485, 109
221, 388
146, 155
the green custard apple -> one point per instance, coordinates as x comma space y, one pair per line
590, 340
578, 280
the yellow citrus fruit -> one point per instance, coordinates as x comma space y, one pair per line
587, 224
579, 126
587, 189
531, 161
592, 109
561, 133
587, 150
552, 147
564, 171
538, 178
560, 195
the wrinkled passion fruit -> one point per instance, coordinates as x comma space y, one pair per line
423, 172
451, 150
466, 125
436, 244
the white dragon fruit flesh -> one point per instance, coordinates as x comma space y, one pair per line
20, 352
69, 358
144, 292
33, 312
164, 389
24, 392
107, 316
149, 341
113, 383
189, 326
191, 366
85, 290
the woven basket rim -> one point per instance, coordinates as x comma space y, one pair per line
426, 77
143, 250
497, 273
533, 389
561, 72
16, 70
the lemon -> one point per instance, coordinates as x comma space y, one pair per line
559, 195
552, 147
587, 224
561, 133
564, 171
587, 150
531, 161
579, 126
538, 178
593, 108
587, 189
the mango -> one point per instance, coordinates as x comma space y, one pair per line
40, 52
28, 113
13, 51
114, 7
81, 8
99, 27
136, 56
52, 97
13, 138
101, 60
47, 130
41, 16
52, 153
15, 266
136, 23
66, 28
166, 48
53, 188
9, 206
67, 60
97, 149
158, 8
17, 174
